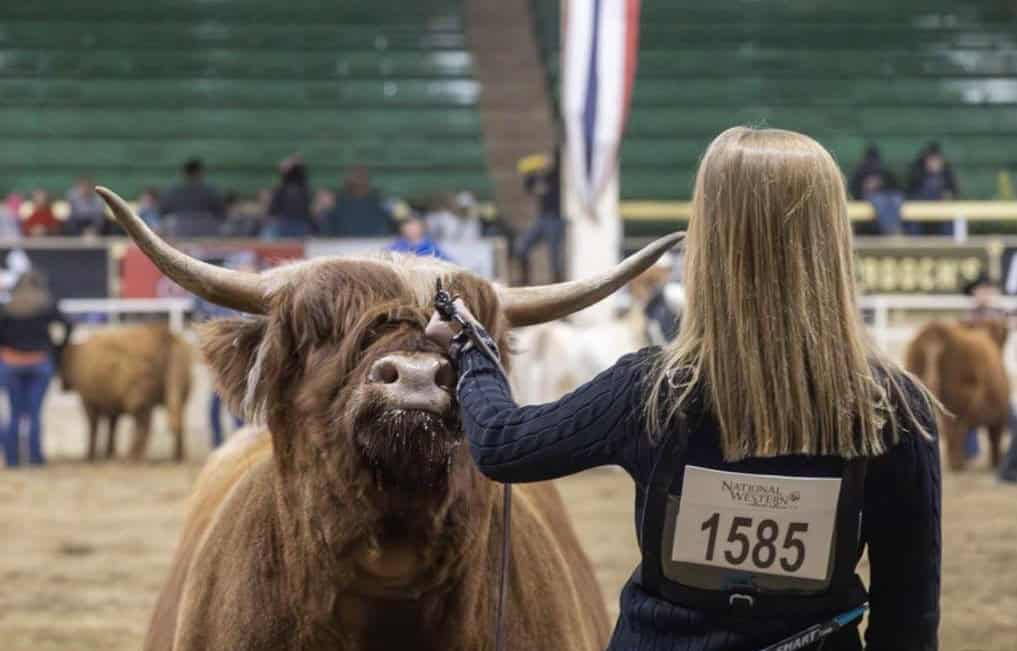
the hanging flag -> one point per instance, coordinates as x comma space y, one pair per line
600, 46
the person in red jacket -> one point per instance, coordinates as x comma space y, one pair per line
41, 221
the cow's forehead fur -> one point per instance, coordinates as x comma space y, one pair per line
418, 274
322, 304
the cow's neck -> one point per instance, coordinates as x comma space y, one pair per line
373, 563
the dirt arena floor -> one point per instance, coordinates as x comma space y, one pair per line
84, 549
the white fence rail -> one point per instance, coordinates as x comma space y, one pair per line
174, 308
889, 336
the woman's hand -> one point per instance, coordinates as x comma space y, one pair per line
441, 332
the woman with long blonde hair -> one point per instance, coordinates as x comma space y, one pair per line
769, 443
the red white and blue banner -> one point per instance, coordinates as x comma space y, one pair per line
600, 46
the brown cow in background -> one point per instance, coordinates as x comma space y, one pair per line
962, 364
130, 370
355, 518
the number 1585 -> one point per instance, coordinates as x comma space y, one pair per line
759, 542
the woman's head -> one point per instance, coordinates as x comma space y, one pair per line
771, 330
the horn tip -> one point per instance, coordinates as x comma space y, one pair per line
105, 192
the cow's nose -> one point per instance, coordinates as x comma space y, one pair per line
415, 381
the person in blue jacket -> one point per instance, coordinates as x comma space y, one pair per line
770, 443
413, 238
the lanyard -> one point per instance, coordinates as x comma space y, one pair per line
813, 634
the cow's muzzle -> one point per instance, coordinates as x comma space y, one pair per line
424, 381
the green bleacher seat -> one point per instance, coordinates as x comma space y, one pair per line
235, 64
246, 93
897, 74
126, 91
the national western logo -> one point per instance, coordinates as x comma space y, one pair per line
760, 495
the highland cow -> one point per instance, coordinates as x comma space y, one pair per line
130, 370
962, 364
353, 517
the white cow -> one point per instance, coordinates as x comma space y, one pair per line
554, 358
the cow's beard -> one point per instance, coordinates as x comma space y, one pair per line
405, 449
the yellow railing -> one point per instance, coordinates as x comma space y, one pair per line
926, 211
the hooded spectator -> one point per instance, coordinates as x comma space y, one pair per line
359, 210
192, 201
290, 207
88, 212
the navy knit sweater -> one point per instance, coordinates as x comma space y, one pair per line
599, 424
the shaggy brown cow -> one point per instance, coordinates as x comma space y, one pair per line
355, 519
130, 370
962, 364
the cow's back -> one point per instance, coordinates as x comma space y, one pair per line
122, 368
223, 470
964, 368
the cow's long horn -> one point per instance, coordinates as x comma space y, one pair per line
525, 306
234, 289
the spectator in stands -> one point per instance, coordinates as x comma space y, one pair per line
192, 200
290, 208
871, 164
880, 189
10, 223
359, 210
932, 179
26, 356
453, 218
246, 218
322, 205
88, 212
873, 182
545, 185
148, 208
413, 236
41, 221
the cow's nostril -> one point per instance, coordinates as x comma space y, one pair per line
385, 371
445, 377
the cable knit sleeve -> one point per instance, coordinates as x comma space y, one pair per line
901, 524
592, 426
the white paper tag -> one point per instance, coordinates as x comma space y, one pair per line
763, 524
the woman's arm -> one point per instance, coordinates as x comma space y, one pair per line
592, 426
901, 523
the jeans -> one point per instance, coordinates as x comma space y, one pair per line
215, 417
551, 229
971, 445
26, 386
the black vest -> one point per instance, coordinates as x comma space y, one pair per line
742, 593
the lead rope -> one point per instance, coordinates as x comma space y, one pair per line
444, 305
506, 534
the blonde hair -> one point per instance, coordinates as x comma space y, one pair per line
771, 332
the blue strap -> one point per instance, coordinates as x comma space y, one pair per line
811, 635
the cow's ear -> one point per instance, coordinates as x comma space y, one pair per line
230, 347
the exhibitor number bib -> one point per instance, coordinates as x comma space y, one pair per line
762, 524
